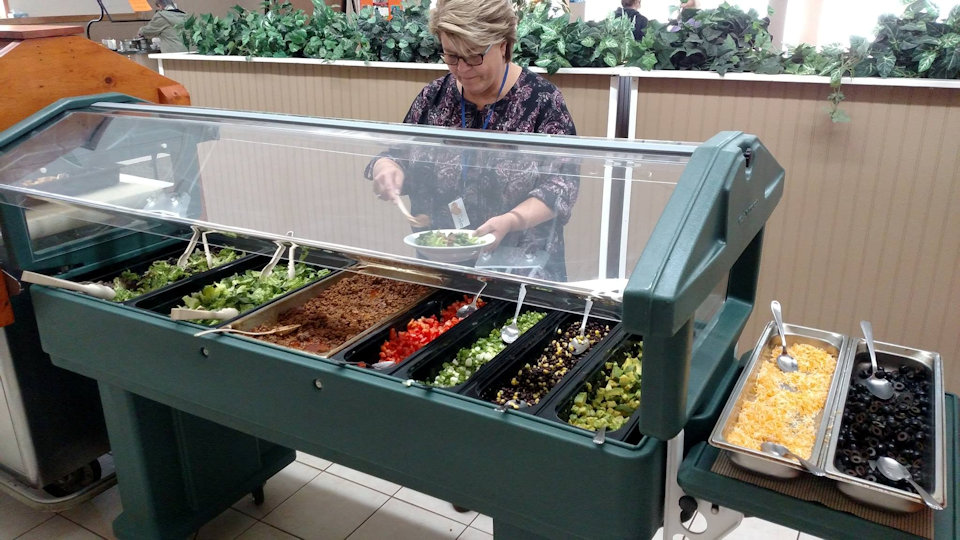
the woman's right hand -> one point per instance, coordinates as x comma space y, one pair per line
387, 179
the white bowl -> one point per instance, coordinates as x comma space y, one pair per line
452, 254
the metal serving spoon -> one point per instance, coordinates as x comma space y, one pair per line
511, 332
894, 470
785, 362
467, 309
780, 450
580, 343
882, 388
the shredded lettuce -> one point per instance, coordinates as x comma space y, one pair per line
129, 285
247, 290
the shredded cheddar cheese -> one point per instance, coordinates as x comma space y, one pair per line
783, 407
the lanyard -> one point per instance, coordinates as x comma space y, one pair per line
486, 122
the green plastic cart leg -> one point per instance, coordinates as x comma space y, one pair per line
177, 471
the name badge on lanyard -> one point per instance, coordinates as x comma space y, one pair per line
459, 213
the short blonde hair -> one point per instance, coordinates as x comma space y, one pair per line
474, 24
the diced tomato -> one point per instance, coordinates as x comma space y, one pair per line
420, 332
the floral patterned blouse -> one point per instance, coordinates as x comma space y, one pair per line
494, 179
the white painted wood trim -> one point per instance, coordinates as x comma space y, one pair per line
623, 71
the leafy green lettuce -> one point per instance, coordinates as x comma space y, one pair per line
129, 285
247, 290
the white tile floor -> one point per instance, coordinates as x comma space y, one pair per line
311, 498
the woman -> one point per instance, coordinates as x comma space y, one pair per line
522, 200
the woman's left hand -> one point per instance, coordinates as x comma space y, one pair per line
499, 227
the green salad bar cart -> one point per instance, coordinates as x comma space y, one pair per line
305, 276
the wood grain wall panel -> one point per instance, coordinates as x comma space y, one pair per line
587, 99
866, 228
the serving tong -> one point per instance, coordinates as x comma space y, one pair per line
197, 236
93, 289
420, 220
106, 292
291, 261
185, 314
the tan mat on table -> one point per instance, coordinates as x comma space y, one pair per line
824, 491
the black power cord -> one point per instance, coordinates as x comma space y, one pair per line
103, 11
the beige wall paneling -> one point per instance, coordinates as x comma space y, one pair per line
358, 93
587, 99
866, 228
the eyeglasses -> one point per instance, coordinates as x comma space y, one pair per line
473, 60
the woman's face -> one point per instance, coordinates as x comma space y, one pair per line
479, 79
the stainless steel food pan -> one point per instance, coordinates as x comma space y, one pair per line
270, 314
891, 356
755, 460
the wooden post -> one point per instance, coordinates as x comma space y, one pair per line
41, 64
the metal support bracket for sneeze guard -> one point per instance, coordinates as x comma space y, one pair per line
711, 229
720, 521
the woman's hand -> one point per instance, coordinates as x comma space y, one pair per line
499, 227
387, 179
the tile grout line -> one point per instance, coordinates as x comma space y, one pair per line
391, 495
366, 486
371, 514
260, 520
252, 525
81, 525
459, 536
389, 498
24, 533
394, 494
314, 477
